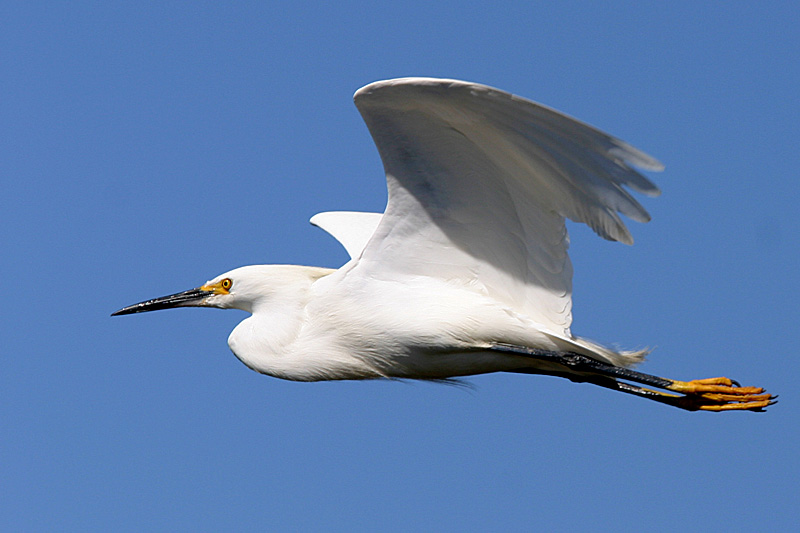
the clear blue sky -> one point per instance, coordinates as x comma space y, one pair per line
147, 147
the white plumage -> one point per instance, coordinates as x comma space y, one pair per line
469, 257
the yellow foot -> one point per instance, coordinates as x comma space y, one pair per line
721, 394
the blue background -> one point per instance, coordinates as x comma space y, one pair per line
148, 147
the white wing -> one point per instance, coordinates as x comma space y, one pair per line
351, 228
479, 184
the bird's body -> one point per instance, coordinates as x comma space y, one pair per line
321, 324
467, 270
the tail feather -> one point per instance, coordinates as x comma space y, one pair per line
623, 358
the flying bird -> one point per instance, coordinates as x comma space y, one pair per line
466, 272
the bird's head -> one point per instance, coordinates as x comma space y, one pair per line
242, 288
219, 292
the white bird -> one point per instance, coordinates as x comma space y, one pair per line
467, 270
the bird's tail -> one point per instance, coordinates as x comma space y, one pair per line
623, 358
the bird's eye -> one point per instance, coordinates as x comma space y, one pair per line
226, 284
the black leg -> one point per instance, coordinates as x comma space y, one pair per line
715, 394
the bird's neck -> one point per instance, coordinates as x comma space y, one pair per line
265, 340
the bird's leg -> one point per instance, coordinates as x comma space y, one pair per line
713, 394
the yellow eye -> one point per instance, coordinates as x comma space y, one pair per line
226, 284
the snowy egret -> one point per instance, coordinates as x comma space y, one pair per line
467, 270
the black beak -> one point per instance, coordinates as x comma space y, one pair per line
192, 297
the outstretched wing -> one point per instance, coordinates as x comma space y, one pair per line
479, 184
351, 228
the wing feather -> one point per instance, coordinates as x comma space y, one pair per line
480, 182
351, 228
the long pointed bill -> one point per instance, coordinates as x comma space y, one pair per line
192, 297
